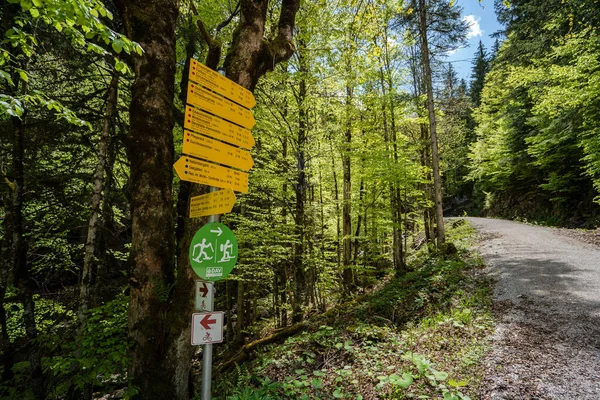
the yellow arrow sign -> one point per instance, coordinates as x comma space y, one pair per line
206, 124
216, 82
220, 106
220, 202
197, 171
213, 150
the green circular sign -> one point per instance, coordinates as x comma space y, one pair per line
213, 252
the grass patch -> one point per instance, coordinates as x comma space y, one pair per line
422, 336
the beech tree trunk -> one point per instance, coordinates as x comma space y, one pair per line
437, 181
85, 296
150, 148
347, 196
301, 187
23, 279
6, 346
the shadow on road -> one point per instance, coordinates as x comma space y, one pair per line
547, 305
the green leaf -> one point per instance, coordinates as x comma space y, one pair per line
34, 12
317, 383
37, 3
117, 46
440, 375
337, 393
405, 381
23, 76
120, 66
58, 26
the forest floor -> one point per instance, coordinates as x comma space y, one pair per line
547, 306
423, 335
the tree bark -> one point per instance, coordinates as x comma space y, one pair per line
23, 279
437, 181
150, 149
347, 196
85, 296
6, 346
301, 186
251, 55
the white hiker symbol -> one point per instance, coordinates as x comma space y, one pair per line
202, 247
226, 248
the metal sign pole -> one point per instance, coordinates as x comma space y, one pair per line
208, 348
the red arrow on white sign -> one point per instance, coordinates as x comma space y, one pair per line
205, 296
207, 328
203, 289
206, 322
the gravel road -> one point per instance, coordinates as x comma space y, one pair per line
547, 305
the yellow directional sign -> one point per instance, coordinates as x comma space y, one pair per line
197, 171
216, 82
213, 150
220, 202
220, 106
209, 125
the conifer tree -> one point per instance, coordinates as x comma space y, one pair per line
480, 68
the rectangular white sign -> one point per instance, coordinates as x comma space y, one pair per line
205, 296
207, 328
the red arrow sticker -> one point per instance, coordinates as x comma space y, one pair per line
203, 289
206, 322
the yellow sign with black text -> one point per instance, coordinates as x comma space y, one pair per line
219, 106
213, 150
192, 170
215, 127
220, 202
216, 82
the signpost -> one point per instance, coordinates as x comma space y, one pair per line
213, 252
215, 127
220, 202
205, 296
219, 106
213, 150
198, 171
223, 117
207, 328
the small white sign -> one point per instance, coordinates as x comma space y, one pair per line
205, 296
207, 328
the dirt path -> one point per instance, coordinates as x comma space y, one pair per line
547, 303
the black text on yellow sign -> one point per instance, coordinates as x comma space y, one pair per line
215, 127
219, 106
216, 82
193, 170
219, 202
213, 150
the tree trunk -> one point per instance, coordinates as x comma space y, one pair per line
437, 182
152, 370
85, 296
347, 195
281, 270
6, 346
301, 187
19, 254
336, 196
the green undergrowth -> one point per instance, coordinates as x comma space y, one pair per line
421, 336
